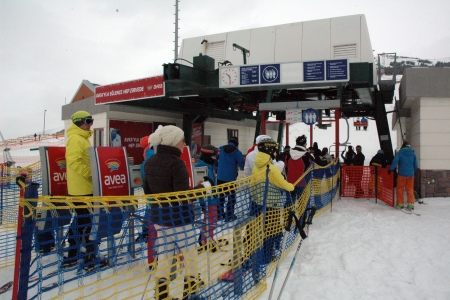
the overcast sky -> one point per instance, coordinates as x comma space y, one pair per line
48, 47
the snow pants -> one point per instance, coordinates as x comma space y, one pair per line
172, 239
402, 183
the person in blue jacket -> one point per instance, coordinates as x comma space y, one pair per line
229, 159
407, 165
208, 154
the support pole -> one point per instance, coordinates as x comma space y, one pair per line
287, 133
263, 121
337, 117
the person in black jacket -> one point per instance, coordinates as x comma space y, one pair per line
173, 220
379, 160
358, 160
348, 158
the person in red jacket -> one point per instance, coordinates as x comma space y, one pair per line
297, 165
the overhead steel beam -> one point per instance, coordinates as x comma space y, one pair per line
276, 106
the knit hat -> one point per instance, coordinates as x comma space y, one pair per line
234, 140
301, 140
380, 152
208, 150
79, 116
168, 135
150, 145
260, 137
144, 142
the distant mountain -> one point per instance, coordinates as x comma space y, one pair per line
389, 62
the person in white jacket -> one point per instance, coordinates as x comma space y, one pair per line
250, 158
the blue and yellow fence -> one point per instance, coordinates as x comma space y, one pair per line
133, 253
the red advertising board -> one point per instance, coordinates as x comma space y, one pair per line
113, 171
130, 90
128, 134
57, 175
186, 157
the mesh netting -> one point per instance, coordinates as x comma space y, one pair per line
181, 244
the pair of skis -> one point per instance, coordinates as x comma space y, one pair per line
7, 286
307, 220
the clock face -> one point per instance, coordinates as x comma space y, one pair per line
229, 76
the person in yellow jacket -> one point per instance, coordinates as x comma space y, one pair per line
79, 183
274, 220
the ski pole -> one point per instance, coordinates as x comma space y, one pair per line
304, 235
291, 217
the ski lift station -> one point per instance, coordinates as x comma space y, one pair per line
247, 82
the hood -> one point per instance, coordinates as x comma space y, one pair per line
74, 129
229, 148
407, 152
379, 156
262, 159
297, 152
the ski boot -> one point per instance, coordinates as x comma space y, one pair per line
399, 206
192, 285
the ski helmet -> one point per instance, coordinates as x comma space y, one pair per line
267, 146
301, 140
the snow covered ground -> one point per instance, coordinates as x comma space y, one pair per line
368, 250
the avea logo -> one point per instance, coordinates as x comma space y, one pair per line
62, 176
61, 162
113, 164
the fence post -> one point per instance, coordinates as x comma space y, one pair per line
18, 246
25, 228
2, 184
376, 184
257, 257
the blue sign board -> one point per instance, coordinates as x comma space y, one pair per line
313, 71
310, 116
270, 74
249, 75
337, 69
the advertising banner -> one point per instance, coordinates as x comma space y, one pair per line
112, 171
128, 134
57, 176
186, 157
130, 90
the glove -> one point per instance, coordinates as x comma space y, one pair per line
389, 172
206, 178
206, 185
21, 181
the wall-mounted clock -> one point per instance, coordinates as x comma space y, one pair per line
229, 76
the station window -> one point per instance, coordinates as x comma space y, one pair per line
98, 137
232, 133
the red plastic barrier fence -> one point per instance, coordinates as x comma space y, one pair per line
368, 182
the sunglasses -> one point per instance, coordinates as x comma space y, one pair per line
88, 120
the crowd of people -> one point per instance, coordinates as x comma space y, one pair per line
164, 171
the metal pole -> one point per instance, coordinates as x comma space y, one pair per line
337, 114
176, 30
43, 132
